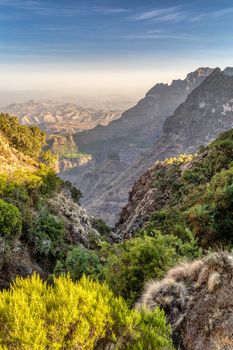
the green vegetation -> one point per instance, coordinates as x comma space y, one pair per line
79, 261
76, 194
48, 233
10, 220
199, 199
68, 315
69, 151
130, 264
28, 140
194, 207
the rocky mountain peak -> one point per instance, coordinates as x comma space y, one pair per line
228, 71
194, 79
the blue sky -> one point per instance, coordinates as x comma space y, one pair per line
164, 38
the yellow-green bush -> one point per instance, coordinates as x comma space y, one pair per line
68, 315
10, 220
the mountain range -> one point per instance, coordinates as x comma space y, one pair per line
55, 117
205, 113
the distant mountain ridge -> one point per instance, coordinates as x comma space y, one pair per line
60, 117
140, 126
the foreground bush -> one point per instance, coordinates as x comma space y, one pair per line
68, 315
130, 264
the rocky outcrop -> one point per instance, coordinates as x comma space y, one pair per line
69, 157
141, 204
79, 225
198, 302
59, 143
21, 260
97, 179
147, 195
65, 164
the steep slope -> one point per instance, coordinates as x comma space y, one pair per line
135, 132
40, 216
66, 151
140, 126
12, 160
206, 112
186, 194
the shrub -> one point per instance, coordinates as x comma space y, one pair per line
76, 194
10, 220
48, 233
130, 264
28, 140
102, 228
68, 315
81, 261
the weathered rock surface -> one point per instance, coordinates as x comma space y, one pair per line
78, 224
64, 147
198, 301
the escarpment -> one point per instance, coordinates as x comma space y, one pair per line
131, 136
198, 301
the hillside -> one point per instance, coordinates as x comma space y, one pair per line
44, 235
178, 212
192, 125
187, 193
40, 216
12, 160
135, 132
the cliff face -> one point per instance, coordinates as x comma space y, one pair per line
207, 111
151, 192
140, 126
198, 302
69, 157
191, 191
135, 132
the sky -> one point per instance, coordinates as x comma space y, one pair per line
107, 46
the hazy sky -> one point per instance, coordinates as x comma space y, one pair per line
104, 45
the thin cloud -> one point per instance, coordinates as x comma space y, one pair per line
153, 36
43, 9
173, 17
110, 11
213, 14
157, 13
223, 12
